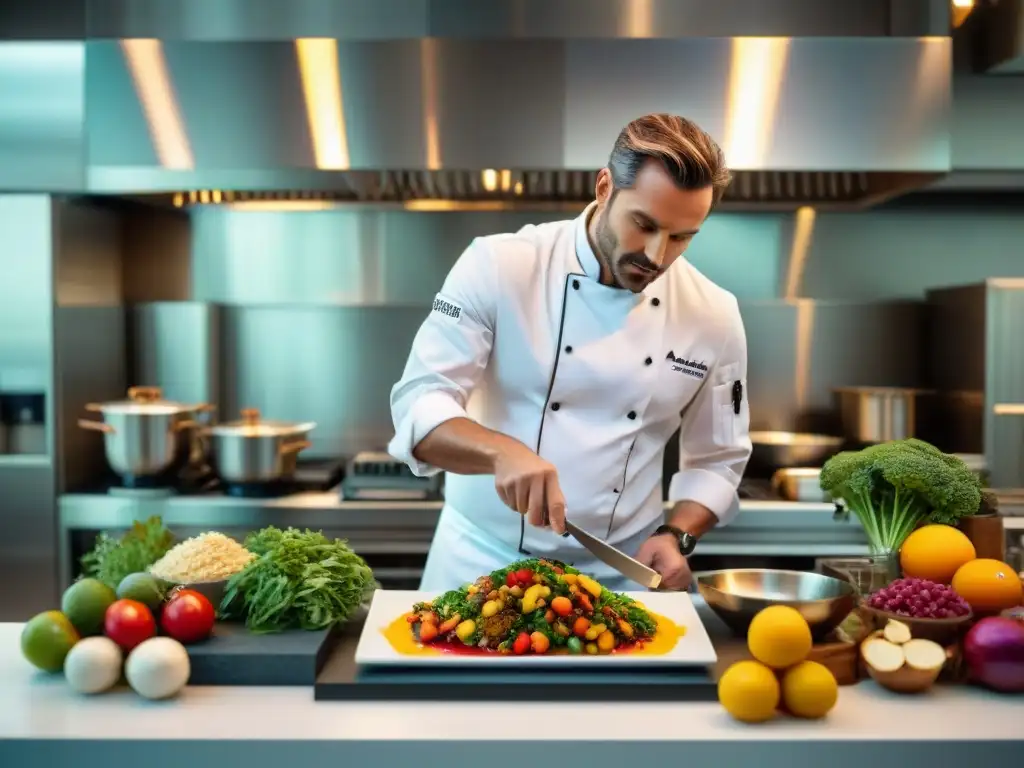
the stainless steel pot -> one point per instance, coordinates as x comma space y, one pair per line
782, 450
253, 450
145, 435
878, 414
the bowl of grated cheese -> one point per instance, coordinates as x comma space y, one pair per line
203, 563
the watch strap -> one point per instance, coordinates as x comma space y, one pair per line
687, 541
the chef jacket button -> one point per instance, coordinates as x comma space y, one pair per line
568, 349
615, 490
655, 302
576, 285
631, 414
648, 361
555, 406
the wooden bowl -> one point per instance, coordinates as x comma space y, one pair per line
942, 631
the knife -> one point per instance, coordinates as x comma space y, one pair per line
620, 561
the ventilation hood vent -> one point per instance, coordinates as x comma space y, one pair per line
438, 122
494, 190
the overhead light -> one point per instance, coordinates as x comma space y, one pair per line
325, 109
963, 3
151, 79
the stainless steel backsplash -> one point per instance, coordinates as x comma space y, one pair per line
336, 365
309, 316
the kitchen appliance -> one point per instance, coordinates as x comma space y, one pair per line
737, 595
879, 414
255, 451
620, 561
799, 484
23, 423
781, 450
145, 436
374, 475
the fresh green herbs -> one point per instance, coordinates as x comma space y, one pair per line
893, 487
299, 579
113, 558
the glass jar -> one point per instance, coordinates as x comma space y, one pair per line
874, 572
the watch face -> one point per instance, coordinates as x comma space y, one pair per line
687, 543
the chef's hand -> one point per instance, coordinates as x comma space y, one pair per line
662, 554
529, 485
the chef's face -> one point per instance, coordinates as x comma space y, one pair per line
640, 232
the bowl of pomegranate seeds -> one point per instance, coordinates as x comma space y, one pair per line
932, 611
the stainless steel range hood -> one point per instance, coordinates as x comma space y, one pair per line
436, 104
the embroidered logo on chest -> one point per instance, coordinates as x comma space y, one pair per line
696, 368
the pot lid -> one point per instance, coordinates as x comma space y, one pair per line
251, 425
147, 400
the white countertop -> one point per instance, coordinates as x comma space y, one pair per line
38, 706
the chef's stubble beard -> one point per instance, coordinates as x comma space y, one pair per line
607, 243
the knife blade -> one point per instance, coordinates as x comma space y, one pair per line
617, 559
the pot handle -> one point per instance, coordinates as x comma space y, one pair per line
181, 426
144, 394
94, 407
204, 408
295, 447
96, 426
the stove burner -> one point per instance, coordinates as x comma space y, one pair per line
146, 482
261, 490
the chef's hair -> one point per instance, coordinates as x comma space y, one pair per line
691, 156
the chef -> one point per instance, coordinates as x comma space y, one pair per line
557, 361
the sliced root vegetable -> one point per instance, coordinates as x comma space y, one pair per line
897, 632
881, 655
924, 655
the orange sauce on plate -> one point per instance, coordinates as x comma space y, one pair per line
400, 635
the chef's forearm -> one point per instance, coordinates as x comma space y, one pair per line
464, 447
692, 517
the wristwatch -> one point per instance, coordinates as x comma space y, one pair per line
687, 541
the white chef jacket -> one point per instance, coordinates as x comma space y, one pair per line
525, 340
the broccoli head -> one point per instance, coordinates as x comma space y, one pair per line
894, 486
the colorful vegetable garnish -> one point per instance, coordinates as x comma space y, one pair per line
533, 606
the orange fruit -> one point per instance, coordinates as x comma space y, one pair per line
935, 552
988, 586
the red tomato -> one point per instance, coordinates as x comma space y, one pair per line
188, 616
525, 576
521, 644
128, 623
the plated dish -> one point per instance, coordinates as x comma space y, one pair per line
533, 606
533, 612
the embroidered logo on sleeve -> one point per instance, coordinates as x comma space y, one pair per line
446, 308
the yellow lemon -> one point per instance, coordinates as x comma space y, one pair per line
809, 690
749, 691
779, 637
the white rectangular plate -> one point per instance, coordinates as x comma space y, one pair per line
693, 649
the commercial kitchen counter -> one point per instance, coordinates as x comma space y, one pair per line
43, 723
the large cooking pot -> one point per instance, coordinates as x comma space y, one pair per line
880, 414
145, 435
254, 450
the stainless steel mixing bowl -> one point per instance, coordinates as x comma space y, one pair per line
737, 595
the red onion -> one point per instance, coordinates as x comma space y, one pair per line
994, 653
